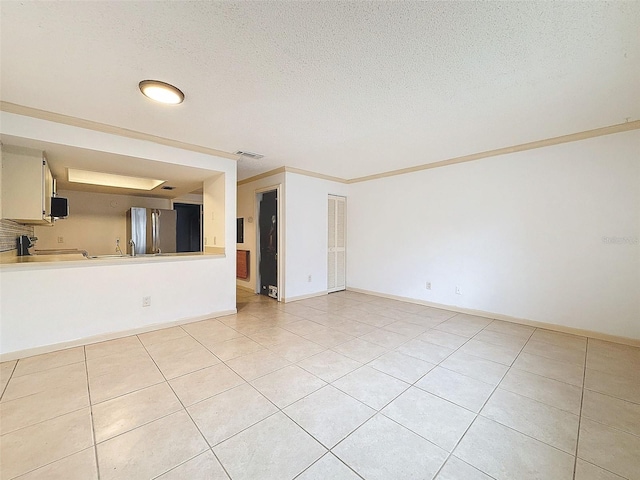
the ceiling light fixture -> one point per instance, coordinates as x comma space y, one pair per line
112, 180
161, 92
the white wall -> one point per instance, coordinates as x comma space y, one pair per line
521, 234
95, 221
44, 306
214, 215
247, 208
304, 227
307, 233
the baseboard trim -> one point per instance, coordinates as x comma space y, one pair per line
103, 337
304, 297
635, 342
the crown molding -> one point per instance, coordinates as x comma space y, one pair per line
573, 137
307, 173
104, 128
298, 171
110, 129
262, 175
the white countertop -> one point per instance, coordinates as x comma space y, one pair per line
10, 261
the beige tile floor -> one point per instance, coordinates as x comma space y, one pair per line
344, 386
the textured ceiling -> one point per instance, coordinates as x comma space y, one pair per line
341, 88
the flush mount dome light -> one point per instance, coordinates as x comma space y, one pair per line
161, 92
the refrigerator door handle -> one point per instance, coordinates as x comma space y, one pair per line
154, 230
156, 235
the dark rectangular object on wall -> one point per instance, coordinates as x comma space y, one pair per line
240, 230
59, 207
242, 264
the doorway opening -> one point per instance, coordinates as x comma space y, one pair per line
268, 271
188, 227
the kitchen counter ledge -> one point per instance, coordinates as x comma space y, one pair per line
13, 262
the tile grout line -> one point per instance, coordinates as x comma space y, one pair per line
610, 395
477, 414
41, 421
509, 367
9, 379
617, 475
551, 406
60, 415
231, 368
51, 462
584, 375
341, 376
13, 377
545, 376
450, 454
291, 363
330, 453
136, 391
93, 446
166, 381
155, 477
141, 425
93, 425
414, 385
281, 410
49, 369
611, 427
188, 414
278, 409
129, 393
540, 401
527, 435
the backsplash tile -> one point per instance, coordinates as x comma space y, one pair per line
10, 231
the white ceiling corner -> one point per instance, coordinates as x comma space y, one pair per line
345, 89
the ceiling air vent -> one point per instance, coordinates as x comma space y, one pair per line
167, 187
251, 155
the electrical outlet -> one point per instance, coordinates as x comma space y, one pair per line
214, 241
428, 286
309, 278
60, 239
146, 301
458, 290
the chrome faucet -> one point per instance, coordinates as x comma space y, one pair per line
133, 247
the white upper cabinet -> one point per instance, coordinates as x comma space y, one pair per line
27, 186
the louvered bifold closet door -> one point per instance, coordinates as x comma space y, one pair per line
337, 244
331, 265
340, 244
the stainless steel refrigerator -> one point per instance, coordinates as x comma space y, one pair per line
151, 230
